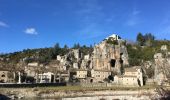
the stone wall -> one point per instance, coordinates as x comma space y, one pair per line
100, 85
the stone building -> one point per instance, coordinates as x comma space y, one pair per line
31, 71
114, 37
162, 69
77, 54
62, 77
78, 73
87, 57
99, 75
132, 77
33, 64
4, 76
75, 65
46, 78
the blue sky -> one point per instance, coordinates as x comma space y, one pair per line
42, 23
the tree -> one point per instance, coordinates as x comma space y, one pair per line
65, 46
76, 46
140, 39
149, 38
56, 50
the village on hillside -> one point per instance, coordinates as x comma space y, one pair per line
107, 65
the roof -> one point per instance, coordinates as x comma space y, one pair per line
130, 76
102, 70
132, 69
73, 70
4, 71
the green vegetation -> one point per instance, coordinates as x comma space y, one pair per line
112, 41
145, 40
41, 55
80, 88
145, 49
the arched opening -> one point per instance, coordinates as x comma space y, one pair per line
3, 75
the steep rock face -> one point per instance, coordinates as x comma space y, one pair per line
110, 54
162, 66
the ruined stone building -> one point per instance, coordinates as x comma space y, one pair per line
6, 76
162, 63
62, 77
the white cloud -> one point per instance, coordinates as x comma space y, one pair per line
3, 24
31, 31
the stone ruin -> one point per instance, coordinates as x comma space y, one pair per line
162, 63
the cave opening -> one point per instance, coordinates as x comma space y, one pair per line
112, 62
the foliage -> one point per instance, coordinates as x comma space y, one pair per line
140, 39
41, 55
112, 41
150, 72
143, 51
76, 46
145, 40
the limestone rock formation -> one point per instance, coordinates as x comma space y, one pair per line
162, 63
110, 54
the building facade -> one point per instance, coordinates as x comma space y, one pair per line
99, 75
4, 76
132, 77
46, 78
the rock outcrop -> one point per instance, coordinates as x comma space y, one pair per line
110, 54
162, 63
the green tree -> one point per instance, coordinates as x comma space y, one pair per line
76, 46
149, 39
140, 39
65, 46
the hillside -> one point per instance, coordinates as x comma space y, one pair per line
138, 54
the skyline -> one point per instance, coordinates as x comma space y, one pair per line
38, 24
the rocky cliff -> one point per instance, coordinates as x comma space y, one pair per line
110, 54
162, 66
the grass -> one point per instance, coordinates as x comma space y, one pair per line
79, 88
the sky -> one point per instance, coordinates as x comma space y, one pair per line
43, 23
